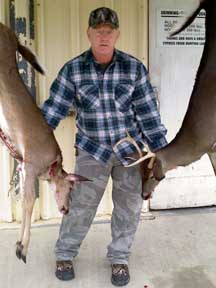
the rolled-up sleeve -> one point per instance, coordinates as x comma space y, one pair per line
146, 111
61, 98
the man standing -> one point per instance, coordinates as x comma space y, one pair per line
112, 95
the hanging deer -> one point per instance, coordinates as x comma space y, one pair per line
28, 137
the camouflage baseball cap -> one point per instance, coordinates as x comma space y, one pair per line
103, 15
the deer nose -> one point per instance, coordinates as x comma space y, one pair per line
64, 210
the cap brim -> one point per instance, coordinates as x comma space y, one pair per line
114, 26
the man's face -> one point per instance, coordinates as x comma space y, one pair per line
103, 39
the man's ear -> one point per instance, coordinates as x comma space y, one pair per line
118, 33
88, 32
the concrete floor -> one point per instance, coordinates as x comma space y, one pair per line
175, 250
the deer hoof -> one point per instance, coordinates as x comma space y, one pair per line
23, 258
19, 251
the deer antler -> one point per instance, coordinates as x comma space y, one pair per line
141, 157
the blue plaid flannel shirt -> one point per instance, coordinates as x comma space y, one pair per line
108, 105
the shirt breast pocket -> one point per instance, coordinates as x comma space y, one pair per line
123, 96
89, 97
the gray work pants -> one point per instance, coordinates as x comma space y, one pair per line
86, 196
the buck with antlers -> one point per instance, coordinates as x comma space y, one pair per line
29, 138
197, 134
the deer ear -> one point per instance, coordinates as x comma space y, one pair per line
76, 178
52, 168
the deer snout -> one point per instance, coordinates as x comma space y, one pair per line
62, 200
146, 195
64, 210
148, 187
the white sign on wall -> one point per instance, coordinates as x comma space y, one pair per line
192, 36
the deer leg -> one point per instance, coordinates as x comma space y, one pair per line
18, 244
28, 199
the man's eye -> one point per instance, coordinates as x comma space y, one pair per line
104, 32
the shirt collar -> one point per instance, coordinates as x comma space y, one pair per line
89, 58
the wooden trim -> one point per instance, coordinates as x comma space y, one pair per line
3, 11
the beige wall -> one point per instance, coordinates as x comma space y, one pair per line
61, 34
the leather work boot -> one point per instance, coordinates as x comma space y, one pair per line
64, 270
120, 274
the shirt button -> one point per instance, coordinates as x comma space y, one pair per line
112, 132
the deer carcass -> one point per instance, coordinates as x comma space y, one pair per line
27, 135
197, 134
